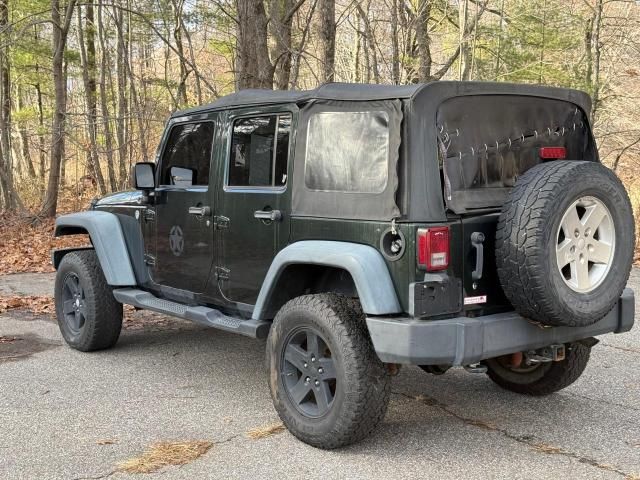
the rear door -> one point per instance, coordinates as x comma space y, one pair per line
485, 143
253, 218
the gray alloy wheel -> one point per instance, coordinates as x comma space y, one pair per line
74, 307
308, 372
586, 244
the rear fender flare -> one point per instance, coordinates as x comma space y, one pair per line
108, 241
364, 263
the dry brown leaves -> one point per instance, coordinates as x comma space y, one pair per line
265, 431
40, 305
160, 455
26, 244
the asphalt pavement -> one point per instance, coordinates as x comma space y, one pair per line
71, 415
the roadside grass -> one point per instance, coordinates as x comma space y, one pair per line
164, 454
265, 431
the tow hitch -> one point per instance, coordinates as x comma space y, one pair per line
552, 353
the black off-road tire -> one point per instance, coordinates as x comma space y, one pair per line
526, 240
363, 385
545, 378
102, 322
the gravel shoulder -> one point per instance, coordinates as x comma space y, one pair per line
174, 381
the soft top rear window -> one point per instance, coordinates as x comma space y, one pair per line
486, 141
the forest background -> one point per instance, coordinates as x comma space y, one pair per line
86, 86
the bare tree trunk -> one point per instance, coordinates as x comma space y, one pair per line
121, 120
254, 68
596, 53
134, 99
499, 48
24, 139
371, 42
41, 140
193, 61
6, 163
105, 65
60, 31
181, 94
327, 37
358, 66
88, 59
280, 25
300, 48
395, 51
63, 156
423, 40
465, 53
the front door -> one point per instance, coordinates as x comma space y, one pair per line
183, 208
255, 200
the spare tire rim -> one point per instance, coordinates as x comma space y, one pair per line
586, 240
308, 372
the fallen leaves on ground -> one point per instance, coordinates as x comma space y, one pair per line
550, 449
106, 442
37, 304
265, 431
163, 454
26, 244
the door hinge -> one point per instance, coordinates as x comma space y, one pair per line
149, 259
149, 215
221, 222
222, 273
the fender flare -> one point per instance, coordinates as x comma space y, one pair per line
108, 241
363, 262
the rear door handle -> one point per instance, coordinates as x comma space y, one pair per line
477, 239
273, 215
200, 211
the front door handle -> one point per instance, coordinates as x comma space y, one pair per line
272, 215
200, 211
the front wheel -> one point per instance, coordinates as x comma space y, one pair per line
540, 379
89, 316
328, 386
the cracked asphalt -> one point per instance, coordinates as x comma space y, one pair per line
174, 381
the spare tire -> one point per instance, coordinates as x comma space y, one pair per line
564, 243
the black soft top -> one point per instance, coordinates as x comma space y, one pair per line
413, 191
369, 92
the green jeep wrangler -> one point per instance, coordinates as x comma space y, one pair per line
362, 227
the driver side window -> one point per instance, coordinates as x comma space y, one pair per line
186, 159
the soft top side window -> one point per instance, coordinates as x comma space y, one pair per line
186, 159
259, 151
347, 152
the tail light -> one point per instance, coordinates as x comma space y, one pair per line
433, 248
553, 153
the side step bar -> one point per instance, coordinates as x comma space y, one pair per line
209, 317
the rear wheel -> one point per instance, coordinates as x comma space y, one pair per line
542, 378
327, 384
88, 315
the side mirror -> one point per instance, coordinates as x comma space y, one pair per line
144, 176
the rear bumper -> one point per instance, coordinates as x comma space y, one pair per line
463, 340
